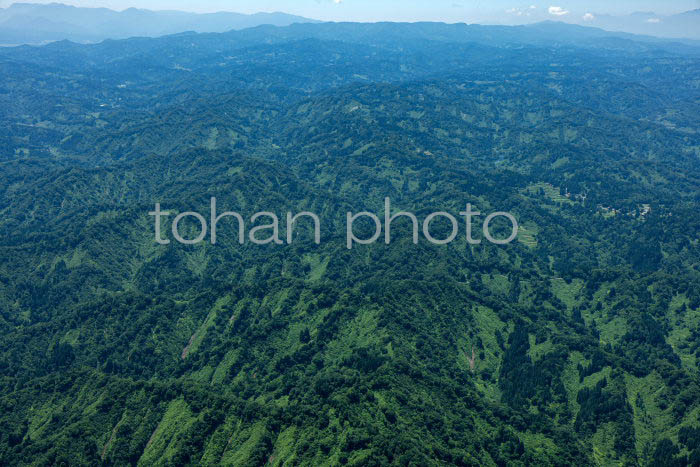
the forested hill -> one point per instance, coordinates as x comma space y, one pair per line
577, 344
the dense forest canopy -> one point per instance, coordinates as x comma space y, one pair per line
576, 344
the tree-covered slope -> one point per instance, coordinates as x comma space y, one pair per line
578, 344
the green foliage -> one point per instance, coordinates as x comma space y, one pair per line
577, 345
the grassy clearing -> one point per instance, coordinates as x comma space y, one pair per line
527, 234
161, 448
242, 445
569, 293
550, 192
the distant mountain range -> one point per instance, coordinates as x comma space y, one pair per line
29, 23
684, 25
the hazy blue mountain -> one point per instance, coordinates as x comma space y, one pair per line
675, 26
28, 23
683, 25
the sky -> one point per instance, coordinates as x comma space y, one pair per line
468, 11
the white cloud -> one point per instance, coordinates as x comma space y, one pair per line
588, 17
557, 11
653, 20
521, 11
337, 2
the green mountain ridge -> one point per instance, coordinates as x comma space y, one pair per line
578, 344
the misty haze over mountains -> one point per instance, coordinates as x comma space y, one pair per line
683, 25
28, 23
